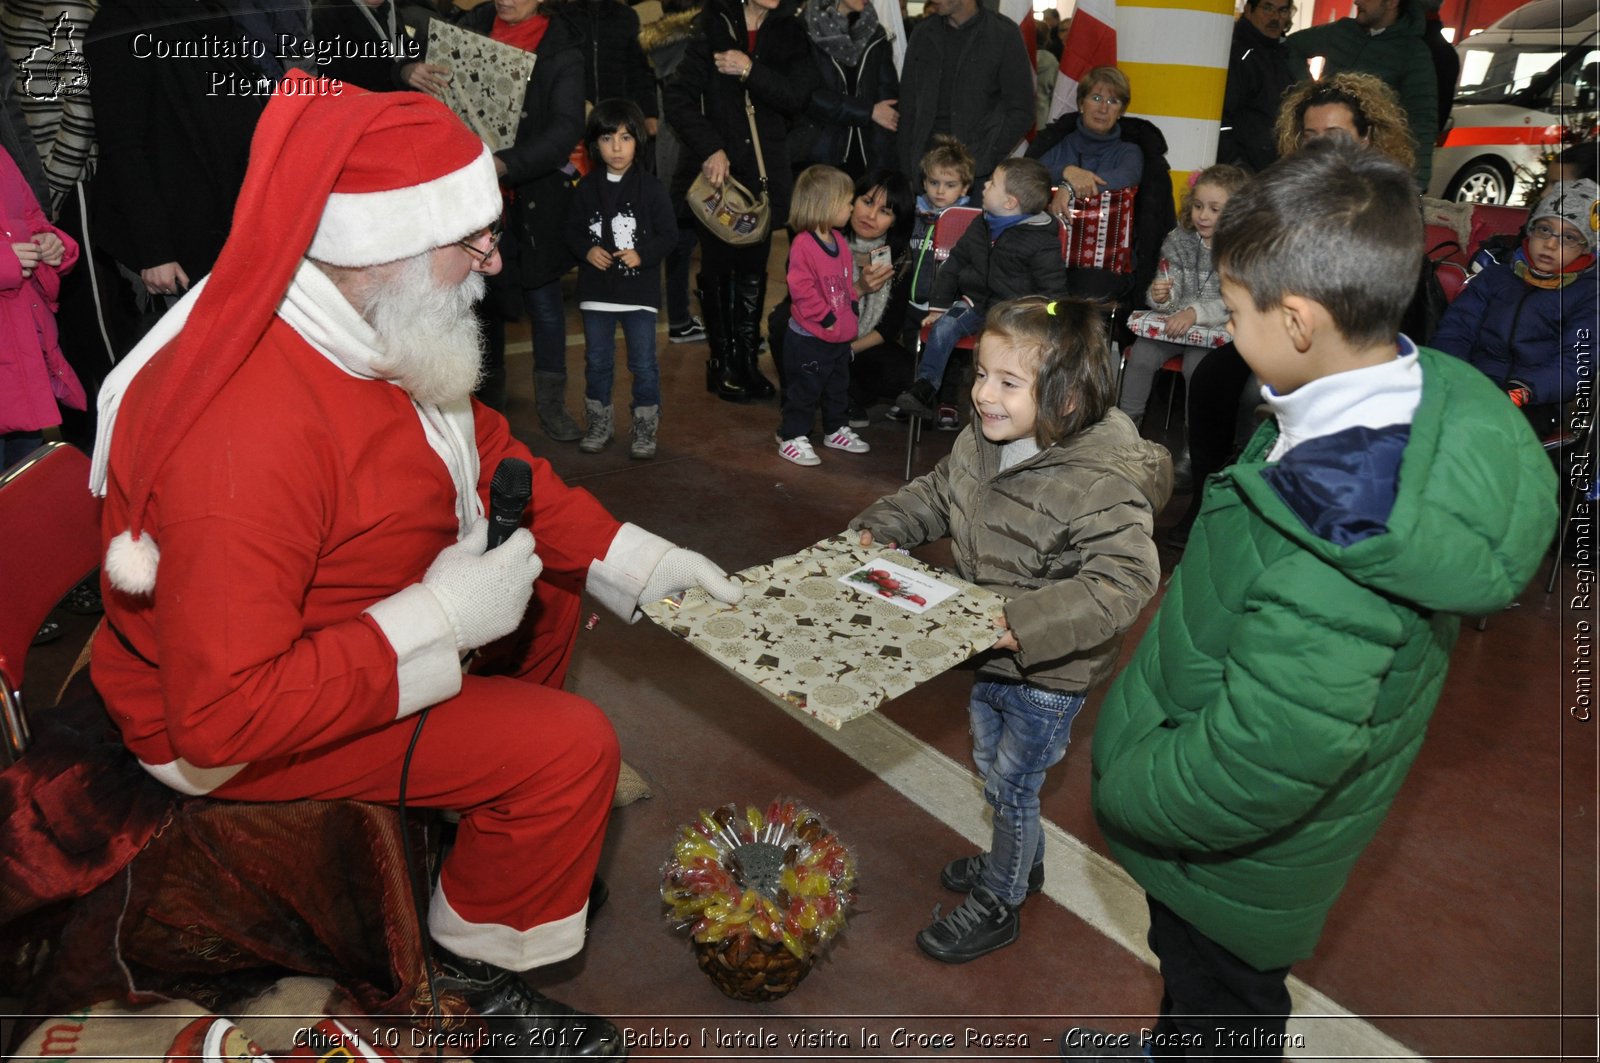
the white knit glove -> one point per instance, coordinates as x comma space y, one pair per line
680, 569
484, 593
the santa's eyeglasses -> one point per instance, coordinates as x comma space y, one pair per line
483, 255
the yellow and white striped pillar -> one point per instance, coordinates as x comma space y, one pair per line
1175, 54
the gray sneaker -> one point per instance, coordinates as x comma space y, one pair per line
965, 875
980, 924
600, 432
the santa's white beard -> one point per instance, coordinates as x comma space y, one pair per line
430, 340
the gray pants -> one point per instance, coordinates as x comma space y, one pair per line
1140, 366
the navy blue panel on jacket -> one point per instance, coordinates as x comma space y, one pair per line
1343, 485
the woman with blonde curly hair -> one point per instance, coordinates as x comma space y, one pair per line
1359, 106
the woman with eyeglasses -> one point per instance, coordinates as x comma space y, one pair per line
1530, 323
1098, 148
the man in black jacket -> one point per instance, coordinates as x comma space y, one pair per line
967, 74
1258, 75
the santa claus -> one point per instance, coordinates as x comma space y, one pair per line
295, 479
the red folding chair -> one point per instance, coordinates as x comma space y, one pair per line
946, 231
49, 541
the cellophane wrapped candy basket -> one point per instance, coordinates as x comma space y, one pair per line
760, 893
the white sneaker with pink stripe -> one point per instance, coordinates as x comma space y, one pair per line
845, 439
798, 450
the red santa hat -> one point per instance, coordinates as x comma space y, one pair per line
343, 176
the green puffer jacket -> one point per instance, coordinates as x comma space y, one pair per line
1065, 535
1253, 745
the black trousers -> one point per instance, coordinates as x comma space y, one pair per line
1214, 1006
816, 374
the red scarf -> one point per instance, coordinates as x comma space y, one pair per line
525, 34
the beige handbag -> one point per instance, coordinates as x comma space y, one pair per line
730, 210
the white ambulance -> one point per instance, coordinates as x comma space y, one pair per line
1522, 79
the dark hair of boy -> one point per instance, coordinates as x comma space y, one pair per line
1027, 181
1335, 223
608, 116
1075, 376
948, 153
897, 196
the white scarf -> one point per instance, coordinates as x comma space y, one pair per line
315, 309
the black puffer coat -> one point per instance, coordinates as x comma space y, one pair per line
837, 123
550, 127
707, 108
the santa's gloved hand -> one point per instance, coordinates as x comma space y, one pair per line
680, 569
484, 593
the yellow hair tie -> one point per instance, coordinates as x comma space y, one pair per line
1050, 308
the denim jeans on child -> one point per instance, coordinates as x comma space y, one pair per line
600, 354
1018, 731
959, 322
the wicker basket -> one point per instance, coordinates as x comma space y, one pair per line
750, 969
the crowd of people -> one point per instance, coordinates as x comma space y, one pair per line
336, 363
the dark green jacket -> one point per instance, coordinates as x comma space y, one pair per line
1064, 535
1252, 746
1398, 55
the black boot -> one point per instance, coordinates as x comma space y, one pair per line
519, 1021
750, 295
724, 372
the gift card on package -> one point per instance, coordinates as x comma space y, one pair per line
838, 629
1150, 324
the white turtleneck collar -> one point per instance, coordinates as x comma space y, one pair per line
1376, 396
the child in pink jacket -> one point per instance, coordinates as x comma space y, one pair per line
33, 374
822, 322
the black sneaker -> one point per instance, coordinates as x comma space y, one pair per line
980, 924
1084, 1042
856, 416
948, 419
518, 1020
895, 413
921, 397
965, 875
692, 332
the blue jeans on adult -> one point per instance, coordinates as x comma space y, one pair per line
959, 322
549, 327
1018, 731
600, 356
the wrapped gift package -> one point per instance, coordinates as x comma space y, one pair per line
1153, 326
1099, 232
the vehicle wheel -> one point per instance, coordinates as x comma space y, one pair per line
1481, 181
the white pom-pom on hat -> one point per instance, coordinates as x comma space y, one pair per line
131, 563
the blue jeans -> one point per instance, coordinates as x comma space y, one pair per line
549, 319
1018, 731
600, 356
959, 322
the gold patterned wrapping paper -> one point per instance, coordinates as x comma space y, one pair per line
838, 629
487, 80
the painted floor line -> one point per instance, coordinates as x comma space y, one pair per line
1091, 886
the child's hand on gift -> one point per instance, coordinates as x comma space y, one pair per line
1007, 640
51, 249
599, 257
1181, 322
866, 539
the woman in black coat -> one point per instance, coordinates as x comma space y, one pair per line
538, 173
850, 120
758, 48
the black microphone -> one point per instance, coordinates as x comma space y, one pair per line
509, 494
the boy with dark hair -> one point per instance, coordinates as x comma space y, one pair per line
1013, 250
1250, 750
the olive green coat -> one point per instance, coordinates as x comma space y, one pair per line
1064, 535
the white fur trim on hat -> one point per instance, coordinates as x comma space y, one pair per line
370, 228
131, 563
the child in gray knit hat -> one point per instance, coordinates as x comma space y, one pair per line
1530, 324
